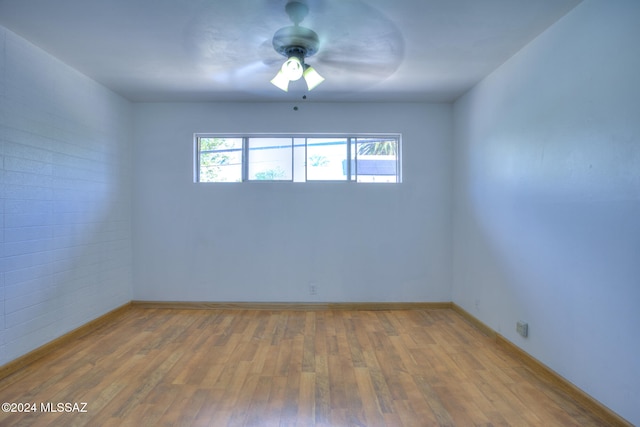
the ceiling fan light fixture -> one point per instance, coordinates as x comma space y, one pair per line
296, 43
312, 77
281, 81
292, 68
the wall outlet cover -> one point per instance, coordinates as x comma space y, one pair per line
522, 328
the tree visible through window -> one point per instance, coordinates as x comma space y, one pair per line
269, 159
378, 147
376, 159
219, 159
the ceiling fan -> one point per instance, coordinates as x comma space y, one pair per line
296, 43
355, 44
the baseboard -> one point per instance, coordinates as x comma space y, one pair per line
543, 371
26, 359
609, 417
474, 321
299, 306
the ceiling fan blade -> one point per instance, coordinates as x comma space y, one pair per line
237, 75
356, 38
268, 56
230, 34
355, 66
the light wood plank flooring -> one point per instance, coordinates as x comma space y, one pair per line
164, 367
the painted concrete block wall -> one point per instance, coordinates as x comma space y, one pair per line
66, 201
547, 200
260, 241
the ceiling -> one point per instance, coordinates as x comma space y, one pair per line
215, 50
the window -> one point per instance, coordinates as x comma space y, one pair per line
358, 158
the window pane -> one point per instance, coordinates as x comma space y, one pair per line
326, 159
299, 163
220, 159
270, 159
376, 160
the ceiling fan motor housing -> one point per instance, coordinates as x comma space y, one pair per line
295, 39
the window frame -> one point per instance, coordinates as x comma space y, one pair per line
351, 142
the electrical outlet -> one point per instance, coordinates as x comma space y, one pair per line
313, 289
522, 328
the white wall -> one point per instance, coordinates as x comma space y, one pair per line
547, 200
65, 244
262, 241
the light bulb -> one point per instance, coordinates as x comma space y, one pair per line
292, 68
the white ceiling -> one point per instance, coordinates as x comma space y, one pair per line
215, 50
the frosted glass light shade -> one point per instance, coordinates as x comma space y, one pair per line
292, 69
281, 81
312, 78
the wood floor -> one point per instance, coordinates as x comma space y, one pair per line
162, 367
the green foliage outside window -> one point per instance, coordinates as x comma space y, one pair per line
270, 174
379, 148
212, 159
